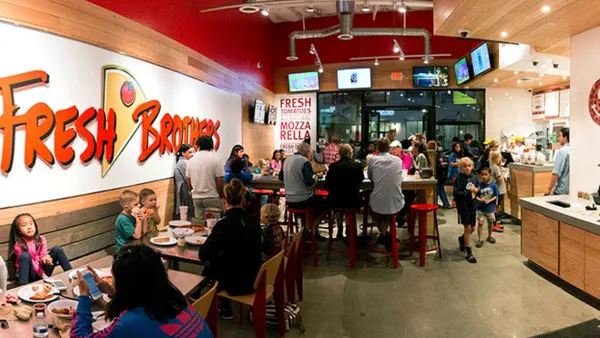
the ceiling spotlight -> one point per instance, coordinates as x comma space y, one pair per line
516, 72
426, 61
564, 77
503, 34
376, 62
401, 57
321, 69
540, 83
495, 80
545, 9
310, 8
518, 81
312, 49
402, 8
544, 66
396, 47
365, 7
265, 12
541, 75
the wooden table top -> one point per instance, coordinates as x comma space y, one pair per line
185, 282
408, 183
188, 253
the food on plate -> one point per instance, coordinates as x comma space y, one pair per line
23, 312
41, 295
35, 287
64, 311
198, 241
47, 287
162, 239
195, 227
108, 279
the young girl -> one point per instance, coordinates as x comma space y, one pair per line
498, 179
453, 160
272, 234
150, 206
262, 168
465, 189
28, 251
276, 160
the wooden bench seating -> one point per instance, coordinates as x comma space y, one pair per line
85, 235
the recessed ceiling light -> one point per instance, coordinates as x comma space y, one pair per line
516, 72
518, 81
544, 66
503, 34
564, 77
510, 97
540, 83
495, 80
506, 94
541, 75
310, 8
376, 62
545, 9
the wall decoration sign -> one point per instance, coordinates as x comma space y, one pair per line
297, 119
551, 105
594, 102
565, 103
77, 119
538, 106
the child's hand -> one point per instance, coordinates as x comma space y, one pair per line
138, 213
474, 189
47, 260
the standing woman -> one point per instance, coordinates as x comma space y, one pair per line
236, 152
276, 160
455, 156
183, 193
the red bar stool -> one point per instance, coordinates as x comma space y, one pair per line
351, 226
259, 193
395, 244
308, 215
322, 193
421, 211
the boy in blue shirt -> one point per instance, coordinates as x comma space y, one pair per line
487, 197
129, 222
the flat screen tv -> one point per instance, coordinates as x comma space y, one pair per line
480, 58
461, 69
358, 78
272, 117
259, 111
303, 82
459, 97
430, 77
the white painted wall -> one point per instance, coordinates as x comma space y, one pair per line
508, 109
585, 71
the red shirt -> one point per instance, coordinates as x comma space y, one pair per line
331, 153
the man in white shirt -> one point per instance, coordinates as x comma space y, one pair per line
205, 173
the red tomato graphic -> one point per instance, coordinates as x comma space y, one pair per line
127, 93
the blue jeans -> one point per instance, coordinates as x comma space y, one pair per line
440, 192
28, 275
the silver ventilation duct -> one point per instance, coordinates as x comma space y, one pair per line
345, 14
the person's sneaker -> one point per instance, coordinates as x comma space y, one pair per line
471, 259
491, 240
226, 312
498, 228
461, 243
479, 244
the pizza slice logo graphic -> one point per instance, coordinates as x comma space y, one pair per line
122, 93
594, 102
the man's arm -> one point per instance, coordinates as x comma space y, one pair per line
307, 175
559, 164
220, 185
553, 180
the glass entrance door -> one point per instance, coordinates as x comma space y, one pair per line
405, 121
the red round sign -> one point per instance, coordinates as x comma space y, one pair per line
594, 102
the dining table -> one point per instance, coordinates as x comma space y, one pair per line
174, 254
185, 282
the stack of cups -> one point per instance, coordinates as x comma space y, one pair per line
183, 213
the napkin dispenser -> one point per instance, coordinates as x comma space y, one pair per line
426, 173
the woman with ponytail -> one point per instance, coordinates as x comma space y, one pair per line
183, 195
232, 252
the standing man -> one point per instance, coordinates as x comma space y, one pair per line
560, 174
332, 151
391, 135
470, 151
205, 176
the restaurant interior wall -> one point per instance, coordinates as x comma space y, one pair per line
508, 110
236, 41
585, 120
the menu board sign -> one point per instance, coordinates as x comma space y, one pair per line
538, 106
296, 120
565, 103
551, 106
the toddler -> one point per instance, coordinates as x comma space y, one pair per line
487, 197
498, 180
465, 189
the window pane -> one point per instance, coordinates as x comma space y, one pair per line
459, 112
340, 113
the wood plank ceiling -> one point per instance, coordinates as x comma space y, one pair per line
524, 21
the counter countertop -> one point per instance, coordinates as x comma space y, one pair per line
405, 179
547, 167
576, 215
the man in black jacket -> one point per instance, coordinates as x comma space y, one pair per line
343, 183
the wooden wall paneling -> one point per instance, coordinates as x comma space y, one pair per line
592, 264
572, 255
529, 235
541, 182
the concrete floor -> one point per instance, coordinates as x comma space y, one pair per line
500, 296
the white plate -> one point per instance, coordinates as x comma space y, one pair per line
193, 240
106, 298
26, 292
179, 223
172, 241
62, 304
73, 274
184, 232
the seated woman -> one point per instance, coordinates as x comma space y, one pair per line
144, 303
28, 250
232, 252
3, 277
276, 160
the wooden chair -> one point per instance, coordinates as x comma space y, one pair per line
293, 268
268, 283
207, 308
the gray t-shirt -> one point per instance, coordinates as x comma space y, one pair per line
496, 172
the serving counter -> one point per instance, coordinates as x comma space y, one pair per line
526, 180
563, 241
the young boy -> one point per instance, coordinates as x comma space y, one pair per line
498, 180
487, 197
150, 207
237, 171
129, 223
272, 234
465, 189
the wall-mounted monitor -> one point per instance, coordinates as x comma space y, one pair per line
430, 77
303, 82
461, 69
480, 59
459, 97
259, 111
272, 117
358, 78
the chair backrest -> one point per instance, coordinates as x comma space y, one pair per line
202, 305
271, 267
295, 242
